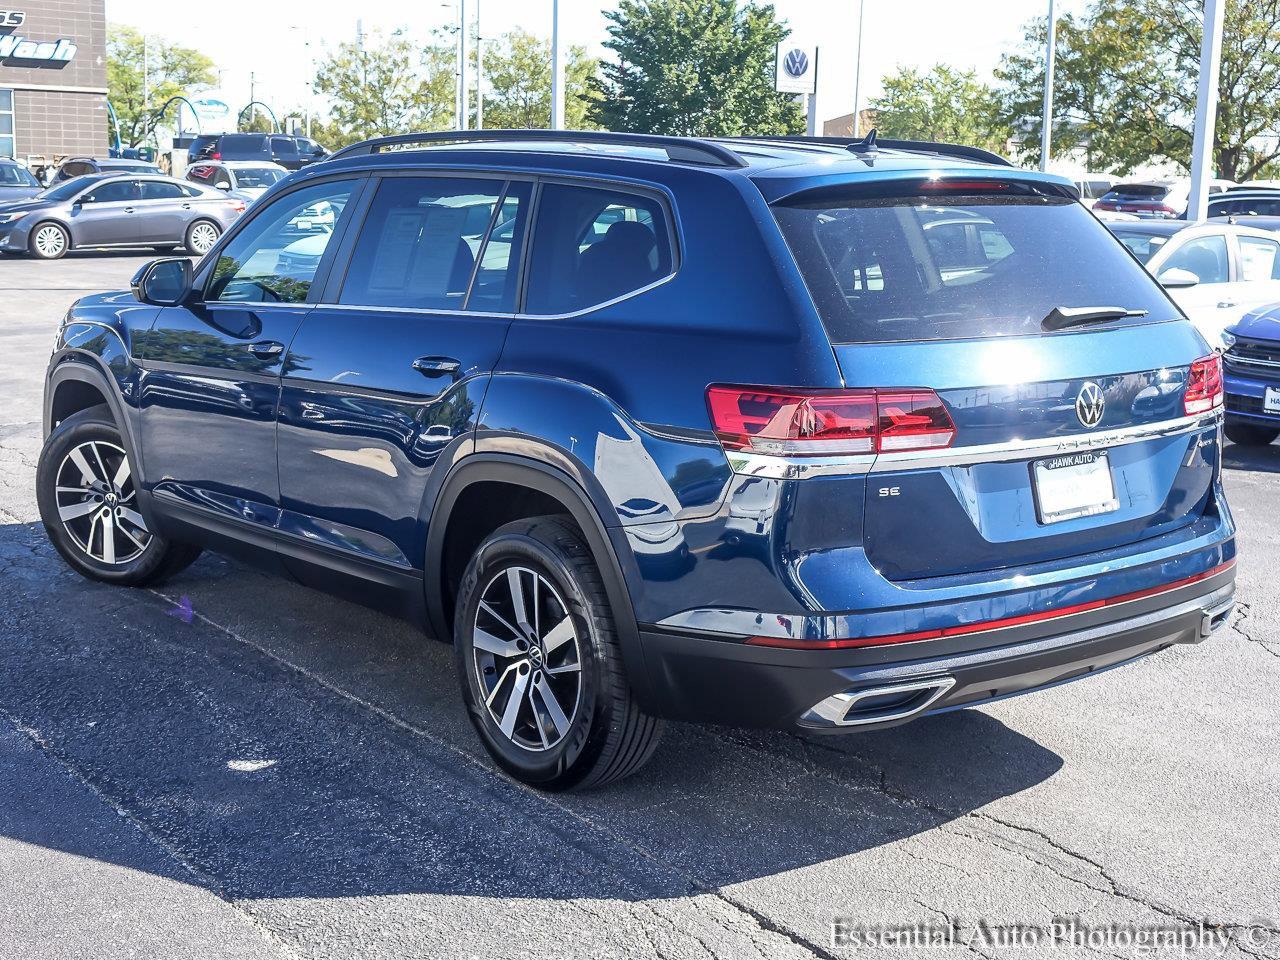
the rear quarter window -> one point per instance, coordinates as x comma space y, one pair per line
955, 266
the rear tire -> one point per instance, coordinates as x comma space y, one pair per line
201, 236
1248, 435
534, 625
49, 241
87, 494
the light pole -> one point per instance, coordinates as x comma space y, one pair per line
557, 70
463, 92
857, 74
1046, 121
1206, 111
479, 71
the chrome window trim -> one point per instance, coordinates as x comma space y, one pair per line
799, 468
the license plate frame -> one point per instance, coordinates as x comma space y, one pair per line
1271, 400
1072, 486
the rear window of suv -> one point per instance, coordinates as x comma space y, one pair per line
958, 266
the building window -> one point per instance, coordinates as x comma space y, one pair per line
6, 124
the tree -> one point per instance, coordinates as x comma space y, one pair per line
517, 69
386, 87
694, 67
943, 104
169, 71
1126, 78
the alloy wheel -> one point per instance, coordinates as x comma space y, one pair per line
528, 658
97, 503
50, 241
203, 237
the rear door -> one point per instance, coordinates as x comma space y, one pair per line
284, 151
162, 212
387, 375
1065, 442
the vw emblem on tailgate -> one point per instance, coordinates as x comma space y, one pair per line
1090, 404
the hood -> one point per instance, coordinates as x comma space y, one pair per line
18, 205
248, 194
8, 192
1260, 324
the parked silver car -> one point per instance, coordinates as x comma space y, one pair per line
16, 182
117, 210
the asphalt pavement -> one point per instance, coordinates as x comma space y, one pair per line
291, 775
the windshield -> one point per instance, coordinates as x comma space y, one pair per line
953, 267
250, 177
1144, 246
12, 175
67, 188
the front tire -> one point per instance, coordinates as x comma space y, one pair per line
1248, 435
201, 236
49, 241
540, 664
87, 494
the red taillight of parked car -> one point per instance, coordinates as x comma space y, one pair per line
814, 423
1204, 385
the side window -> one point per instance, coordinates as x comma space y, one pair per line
275, 258
425, 238
113, 192
1206, 257
222, 179
76, 168
159, 190
1259, 259
592, 245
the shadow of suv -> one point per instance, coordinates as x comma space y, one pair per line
815, 435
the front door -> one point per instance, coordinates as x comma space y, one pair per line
212, 366
381, 381
106, 214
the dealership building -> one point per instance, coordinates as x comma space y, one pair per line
53, 78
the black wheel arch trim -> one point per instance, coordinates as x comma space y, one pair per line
586, 510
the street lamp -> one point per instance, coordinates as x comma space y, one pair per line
557, 70
1046, 122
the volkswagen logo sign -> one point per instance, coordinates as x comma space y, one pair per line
796, 63
1090, 404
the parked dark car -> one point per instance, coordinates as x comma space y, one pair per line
117, 210
813, 436
1253, 208
292, 153
1154, 199
83, 166
1252, 377
16, 182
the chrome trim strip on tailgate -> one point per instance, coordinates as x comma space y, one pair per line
798, 468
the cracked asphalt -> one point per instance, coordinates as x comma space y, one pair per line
290, 775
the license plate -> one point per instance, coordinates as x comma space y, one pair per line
1271, 400
1074, 485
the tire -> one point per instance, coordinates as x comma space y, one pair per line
600, 735
78, 524
1247, 435
49, 241
201, 236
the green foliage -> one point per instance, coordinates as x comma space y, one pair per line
170, 71
693, 67
943, 104
517, 70
390, 86
256, 120
1125, 85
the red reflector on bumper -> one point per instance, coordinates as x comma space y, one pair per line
985, 625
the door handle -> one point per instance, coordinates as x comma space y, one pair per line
186, 206
266, 348
1223, 304
128, 209
436, 366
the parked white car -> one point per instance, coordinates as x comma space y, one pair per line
244, 179
1216, 272
1155, 199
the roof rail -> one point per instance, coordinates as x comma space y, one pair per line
872, 142
680, 149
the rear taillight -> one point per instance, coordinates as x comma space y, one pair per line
237, 205
810, 423
1204, 385
215, 156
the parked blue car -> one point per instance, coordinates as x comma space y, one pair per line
813, 435
1252, 378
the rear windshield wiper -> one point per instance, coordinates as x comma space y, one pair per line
1060, 318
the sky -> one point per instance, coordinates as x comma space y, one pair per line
276, 42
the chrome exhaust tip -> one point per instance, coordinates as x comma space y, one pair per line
898, 701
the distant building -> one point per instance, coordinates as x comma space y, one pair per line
53, 79
843, 126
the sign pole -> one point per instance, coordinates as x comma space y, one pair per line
1046, 120
1206, 111
557, 70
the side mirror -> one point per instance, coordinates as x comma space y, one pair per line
163, 283
226, 187
1175, 279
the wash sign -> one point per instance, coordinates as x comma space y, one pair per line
796, 70
14, 47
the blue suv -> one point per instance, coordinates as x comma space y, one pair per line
1252, 378
805, 434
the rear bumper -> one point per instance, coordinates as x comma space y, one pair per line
723, 679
